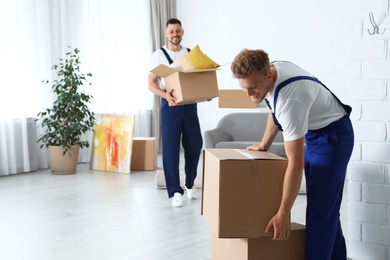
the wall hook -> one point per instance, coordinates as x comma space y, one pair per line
375, 25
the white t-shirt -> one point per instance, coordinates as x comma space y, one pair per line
158, 58
302, 105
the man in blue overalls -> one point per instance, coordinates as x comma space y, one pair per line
178, 123
307, 112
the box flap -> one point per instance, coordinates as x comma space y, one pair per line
196, 71
297, 226
243, 154
226, 154
259, 155
163, 71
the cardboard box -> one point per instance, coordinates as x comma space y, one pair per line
144, 154
261, 248
189, 86
234, 98
242, 190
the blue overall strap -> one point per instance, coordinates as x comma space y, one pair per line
347, 108
273, 116
167, 55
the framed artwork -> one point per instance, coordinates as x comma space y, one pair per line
112, 143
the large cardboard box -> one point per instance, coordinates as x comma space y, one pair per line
234, 98
261, 248
144, 154
189, 86
242, 190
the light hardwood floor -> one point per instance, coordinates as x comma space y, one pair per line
103, 215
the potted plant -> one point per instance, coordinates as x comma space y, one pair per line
69, 117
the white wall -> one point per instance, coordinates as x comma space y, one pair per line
313, 34
368, 173
330, 39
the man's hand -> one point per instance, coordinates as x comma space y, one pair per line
257, 147
281, 225
291, 183
170, 98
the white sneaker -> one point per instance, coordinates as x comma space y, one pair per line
191, 193
177, 200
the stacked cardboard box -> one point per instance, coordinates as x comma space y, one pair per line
144, 154
261, 248
234, 98
242, 190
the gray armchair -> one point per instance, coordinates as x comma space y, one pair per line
240, 130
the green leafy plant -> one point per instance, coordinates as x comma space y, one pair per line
70, 116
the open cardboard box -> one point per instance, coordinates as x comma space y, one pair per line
242, 191
189, 86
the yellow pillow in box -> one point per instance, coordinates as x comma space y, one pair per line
194, 60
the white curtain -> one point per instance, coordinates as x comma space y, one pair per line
114, 39
161, 11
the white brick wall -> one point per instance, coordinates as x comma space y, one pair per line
357, 90
377, 130
363, 172
376, 152
367, 251
355, 231
376, 69
367, 212
367, 49
355, 69
368, 172
360, 8
378, 111
376, 234
377, 194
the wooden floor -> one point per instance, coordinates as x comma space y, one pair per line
102, 215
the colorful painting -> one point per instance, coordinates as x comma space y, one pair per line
112, 143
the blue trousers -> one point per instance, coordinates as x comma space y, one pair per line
327, 154
180, 124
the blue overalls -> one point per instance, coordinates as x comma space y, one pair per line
179, 123
327, 154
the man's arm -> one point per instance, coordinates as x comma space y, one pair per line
153, 86
291, 184
269, 135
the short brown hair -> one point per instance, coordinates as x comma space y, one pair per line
173, 21
248, 61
